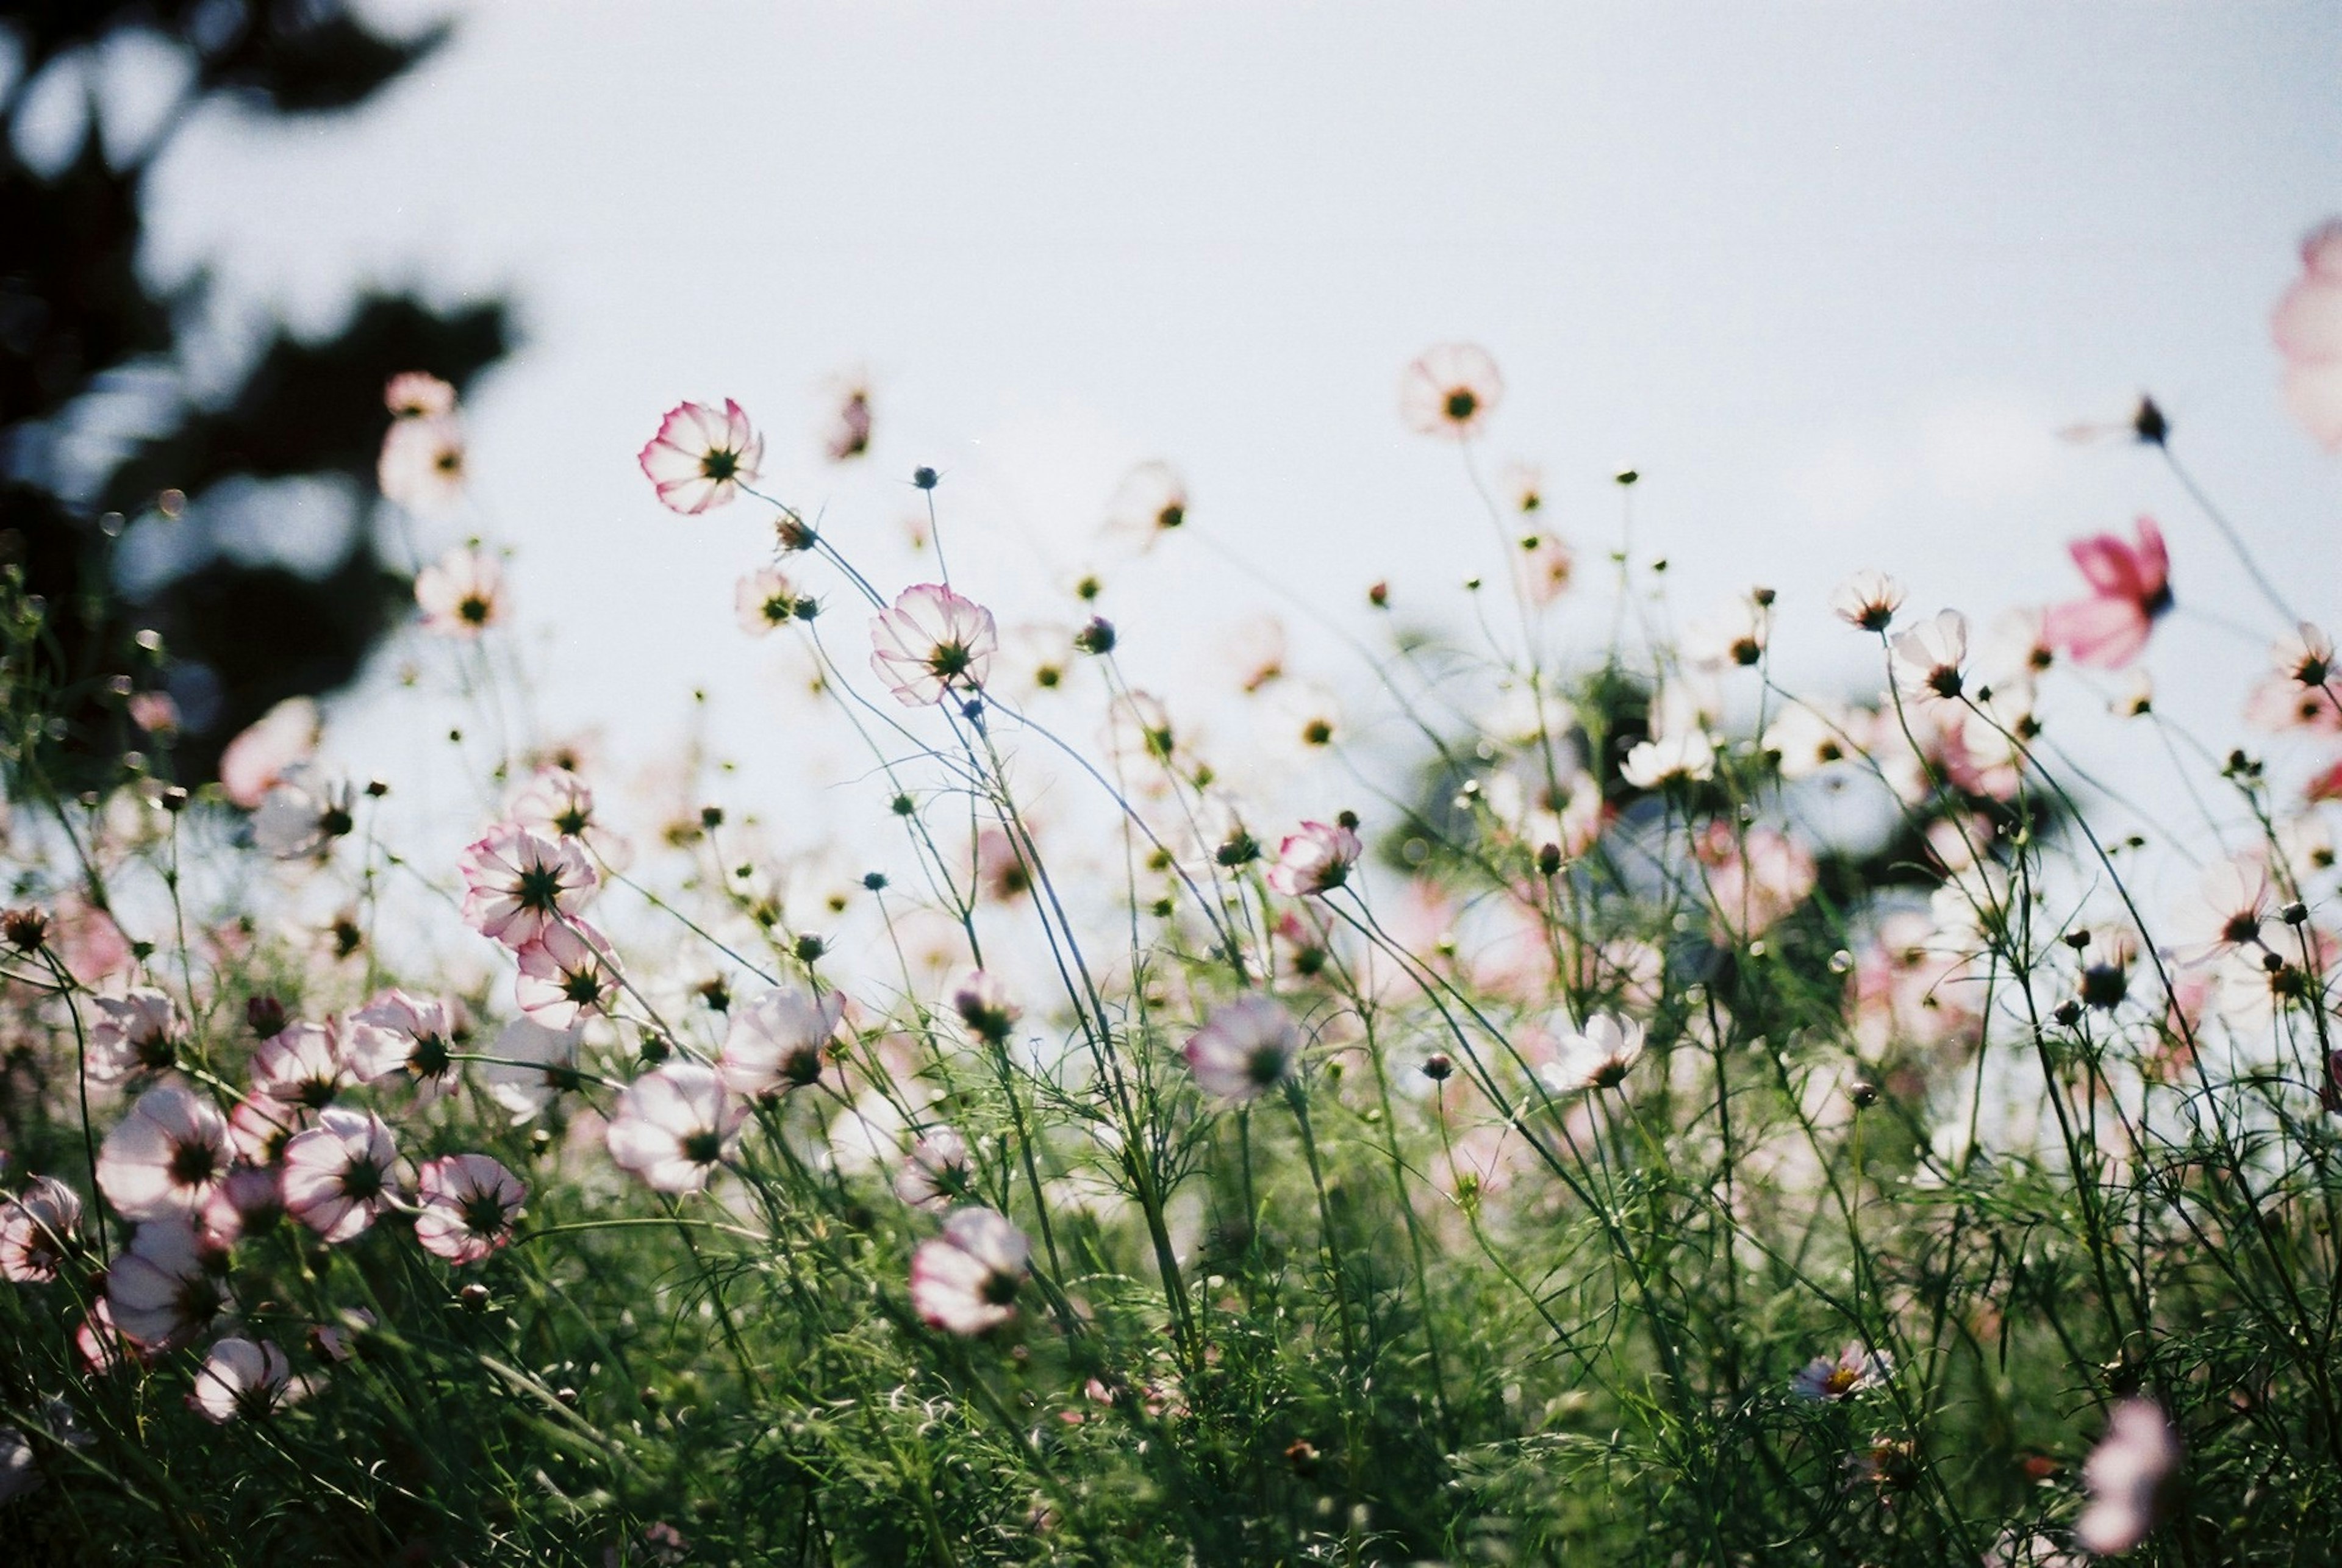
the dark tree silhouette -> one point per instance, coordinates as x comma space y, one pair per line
253, 590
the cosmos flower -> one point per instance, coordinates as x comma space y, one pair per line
1596, 1057
567, 974
2307, 328
1854, 1369
519, 884
555, 802
240, 1381
1247, 1047
777, 1038
939, 1172
260, 755
418, 395
931, 644
984, 1003
337, 1173
1687, 756
1926, 659
848, 435
1150, 501
36, 1227
468, 1207
700, 458
673, 1127
1315, 860
409, 1039
1867, 600
138, 1030
535, 1061
161, 1292
2124, 1475
165, 1156
2234, 901
1450, 391
303, 1064
2130, 586
764, 602
422, 466
461, 593
965, 1280
302, 813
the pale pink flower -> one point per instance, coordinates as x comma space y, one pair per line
302, 814
1926, 659
1316, 860
1735, 635
240, 1381
1867, 600
418, 394
932, 643
155, 713
567, 974
985, 1004
422, 463
468, 1203
1150, 501
258, 1127
674, 1126
337, 1175
764, 602
2125, 1474
533, 1064
777, 1040
137, 1030
162, 1291
165, 1156
37, 1228
250, 1200
1244, 1049
2279, 703
101, 1343
848, 432
555, 803
1547, 565
700, 458
1684, 757
1596, 1057
1809, 740
2017, 647
259, 755
519, 884
2130, 586
2234, 900
1854, 1369
303, 1064
965, 1280
1450, 391
2307, 328
461, 593
2304, 656
938, 1174
411, 1039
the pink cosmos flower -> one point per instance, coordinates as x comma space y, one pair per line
777, 1038
556, 802
240, 1381
162, 1291
302, 1064
985, 1004
2130, 586
165, 1156
1548, 566
155, 713
422, 463
258, 756
700, 458
249, 1201
533, 1064
1596, 1057
410, 1039
1315, 860
1867, 600
674, 1126
2308, 328
302, 814
36, 1227
1244, 1049
101, 1343
764, 602
137, 1031
337, 1175
932, 643
1450, 391
461, 594
470, 1202
1926, 659
418, 394
848, 434
519, 883
2126, 1475
1855, 1369
259, 1127
938, 1174
965, 1280
567, 974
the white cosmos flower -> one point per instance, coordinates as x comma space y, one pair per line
461, 594
567, 974
161, 1290
700, 458
776, 1040
302, 814
1867, 600
1653, 764
518, 882
932, 643
1450, 391
965, 1280
764, 602
241, 1380
1926, 659
165, 1156
2234, 901
533, 1063
337, 1173
1596, 1057
36, 1226
408, 1039
467, 1204
1315, 860
302, 1064
138, 1029
674, 1126
939, 1172
422, 464
1854, 1369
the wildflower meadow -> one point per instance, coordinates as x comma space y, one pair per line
1541, 1091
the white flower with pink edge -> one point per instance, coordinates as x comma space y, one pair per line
965, 1280
932, 643
165, 1156
469, 1204
1315, 860
700, 458
673, 1127
337, 1175
519, 884
1244, 1049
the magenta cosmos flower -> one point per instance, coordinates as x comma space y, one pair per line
240, 1381
165, 1156
700, 458
965, 1280
776, 1040
1315, 860
337, 1173
519, 884
1852, 1371
933, 642
1244, 1049
461, 594
470, 1202
674, 1126
567, 974
2125, 1474
36, 1228
2130, 586
1450, 391
2308, 328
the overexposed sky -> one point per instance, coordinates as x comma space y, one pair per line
1830, 277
